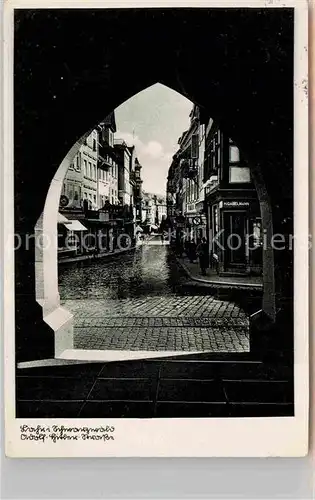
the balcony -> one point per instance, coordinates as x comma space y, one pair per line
189, 168
106, 158
171, 187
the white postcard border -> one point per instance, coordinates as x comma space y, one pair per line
234, 437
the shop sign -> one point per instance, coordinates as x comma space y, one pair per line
196, 221
64, 200
235, 204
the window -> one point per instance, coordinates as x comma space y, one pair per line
89, 172
215, 220
79, 162
85, 195
239, 174
234, 154
76, 195
84, 168
110, 138
94, 198
94, 144
94, 172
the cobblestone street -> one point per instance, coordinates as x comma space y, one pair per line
143, 301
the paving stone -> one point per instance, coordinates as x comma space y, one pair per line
153, 316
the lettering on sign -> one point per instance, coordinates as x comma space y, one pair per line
236, 203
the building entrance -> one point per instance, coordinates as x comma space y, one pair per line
235, 241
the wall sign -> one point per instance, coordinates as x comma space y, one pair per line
235, 204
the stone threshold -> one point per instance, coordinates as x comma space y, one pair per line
215, 283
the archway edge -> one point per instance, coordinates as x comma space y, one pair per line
46, 271
59, 88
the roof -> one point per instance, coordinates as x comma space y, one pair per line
110, 121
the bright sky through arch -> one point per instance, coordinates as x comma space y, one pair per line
153, 120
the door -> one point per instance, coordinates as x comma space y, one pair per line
235, 241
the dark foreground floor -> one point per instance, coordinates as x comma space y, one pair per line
156, 388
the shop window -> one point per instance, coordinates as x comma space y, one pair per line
257, 233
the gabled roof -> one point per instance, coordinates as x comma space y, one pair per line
110, 121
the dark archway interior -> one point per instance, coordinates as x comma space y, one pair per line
72, 67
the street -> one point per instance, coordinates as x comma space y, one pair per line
142, 300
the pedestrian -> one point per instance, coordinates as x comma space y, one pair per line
187, 246
202, 251
162, 238
179, 244
192, 251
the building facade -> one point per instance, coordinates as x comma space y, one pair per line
210, 194
107, 163
100, 195
154, 210
233, 212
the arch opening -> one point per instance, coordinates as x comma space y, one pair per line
58, 317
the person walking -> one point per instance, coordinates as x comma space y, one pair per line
192, 255
202, 251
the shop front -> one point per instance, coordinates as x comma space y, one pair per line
235, 237
195, 222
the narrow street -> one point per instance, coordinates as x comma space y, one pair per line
142, 300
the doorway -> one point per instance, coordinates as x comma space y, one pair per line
234, 224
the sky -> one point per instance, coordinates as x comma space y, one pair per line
153, 121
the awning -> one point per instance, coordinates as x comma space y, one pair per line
61, 218
74, 225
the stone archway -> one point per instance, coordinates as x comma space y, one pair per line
46, 266
255, 106
60, 320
